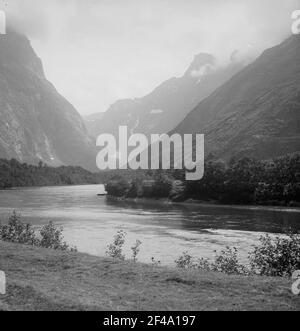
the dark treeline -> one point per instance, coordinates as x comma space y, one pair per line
16, 174
241, 181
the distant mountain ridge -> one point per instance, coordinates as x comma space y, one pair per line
257, 112
36, 122
164, 108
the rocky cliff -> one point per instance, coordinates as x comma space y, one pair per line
36, 122
257, 112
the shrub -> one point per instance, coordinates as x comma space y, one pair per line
136, 249
227, 262
21, 233
204, 265
276, 257
115, 250
186, 261
52, 238
18, 232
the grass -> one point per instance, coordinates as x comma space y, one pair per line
41, 279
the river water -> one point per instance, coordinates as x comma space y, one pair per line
90, 222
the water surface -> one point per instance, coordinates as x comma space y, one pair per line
90, 222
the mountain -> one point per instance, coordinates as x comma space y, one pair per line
257, 112
169, 103
36, 122
91, 121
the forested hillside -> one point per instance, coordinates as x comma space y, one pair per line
16, 174
241, 181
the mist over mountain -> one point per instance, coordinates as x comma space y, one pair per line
36, 122
91, 121
164, 108
256, 113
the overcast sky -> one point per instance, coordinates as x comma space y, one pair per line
98, 51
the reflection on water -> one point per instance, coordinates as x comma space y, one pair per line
90, 222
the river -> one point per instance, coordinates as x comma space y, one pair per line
90, 222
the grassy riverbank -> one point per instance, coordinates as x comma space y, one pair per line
41, 279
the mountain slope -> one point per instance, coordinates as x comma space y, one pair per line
36, 123
256, 113
91, 121
168, 104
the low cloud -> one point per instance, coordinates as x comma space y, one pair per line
202, 71
97, 51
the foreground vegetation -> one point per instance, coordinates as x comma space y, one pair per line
278, 256
48, 274
49, 236
42, 279
16, 174
275, 257
241, 181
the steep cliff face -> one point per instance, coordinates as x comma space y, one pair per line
256, 113
36, 122
164, 108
